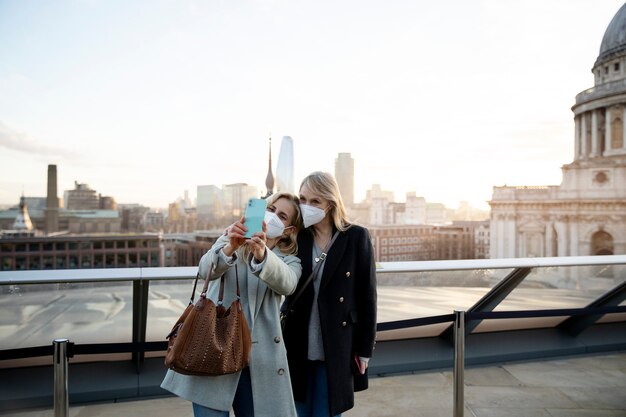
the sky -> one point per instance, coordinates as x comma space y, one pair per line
144, 100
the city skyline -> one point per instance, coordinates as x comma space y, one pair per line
143, 101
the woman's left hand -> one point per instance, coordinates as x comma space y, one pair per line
363, 366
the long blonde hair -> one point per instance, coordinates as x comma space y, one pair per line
325, 185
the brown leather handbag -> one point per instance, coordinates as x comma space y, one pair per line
209, 339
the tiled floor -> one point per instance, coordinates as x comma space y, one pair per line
581, 386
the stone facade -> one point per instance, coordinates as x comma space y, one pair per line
586, 214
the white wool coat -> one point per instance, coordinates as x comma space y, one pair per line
261, 295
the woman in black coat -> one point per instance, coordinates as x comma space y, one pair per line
331, 328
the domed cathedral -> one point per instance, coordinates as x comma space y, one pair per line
586, 214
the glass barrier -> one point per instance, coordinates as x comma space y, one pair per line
409, 295
35, 314
167, 299
555, 288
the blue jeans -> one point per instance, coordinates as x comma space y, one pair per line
242, 403
316, 404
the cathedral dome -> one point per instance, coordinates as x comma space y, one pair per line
614, 40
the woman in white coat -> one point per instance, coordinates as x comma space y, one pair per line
268, 269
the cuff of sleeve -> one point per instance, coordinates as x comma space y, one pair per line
229, 260
257, 266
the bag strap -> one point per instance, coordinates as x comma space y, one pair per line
319, 261
193, 292
206, 285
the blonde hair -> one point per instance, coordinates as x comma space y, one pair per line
289, 244
324, 185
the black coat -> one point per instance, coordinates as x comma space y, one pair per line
347, 307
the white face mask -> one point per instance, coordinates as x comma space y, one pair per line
311, 215
274, 226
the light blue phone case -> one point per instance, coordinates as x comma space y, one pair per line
255, 213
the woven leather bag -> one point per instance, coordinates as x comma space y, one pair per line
209, 339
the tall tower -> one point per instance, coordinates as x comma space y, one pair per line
269, 180
344, 173
284, 169
52, 201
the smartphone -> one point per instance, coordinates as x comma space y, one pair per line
255, 213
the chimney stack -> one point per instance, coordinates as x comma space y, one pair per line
52, 202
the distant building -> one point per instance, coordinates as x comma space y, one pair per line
344, 174
186, 249
455, 241
70, 251
218, 207
209, 202
465, 212
22, 225
481, 237
132, 217
379, 208
84, 213
285, 167
269, 178
236, 197
90, 221
415, 210
82, 197
72, 221
400, 243
154, 221
183, 220
436, 213
586, 214
51, 222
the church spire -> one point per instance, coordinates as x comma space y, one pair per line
22, 221
269, 180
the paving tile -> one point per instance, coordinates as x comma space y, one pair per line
581, 372
586, 413
610, 398
401, 400
161, 407
432, 379
491, 376
516, 397
608, 361
511, 412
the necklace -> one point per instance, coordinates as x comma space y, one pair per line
318, 241
317, 252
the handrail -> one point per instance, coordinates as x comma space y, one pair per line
189, 272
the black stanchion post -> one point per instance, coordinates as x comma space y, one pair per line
459, 363
61, 396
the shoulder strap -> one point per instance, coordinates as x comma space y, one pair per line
206, 285
319, 261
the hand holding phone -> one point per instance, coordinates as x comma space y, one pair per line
255, 213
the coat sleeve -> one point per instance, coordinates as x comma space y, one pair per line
280, 273
365, 336
213, 256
